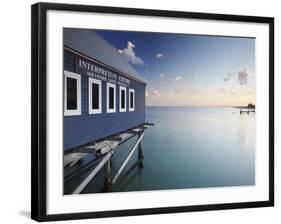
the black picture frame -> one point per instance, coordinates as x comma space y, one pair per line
39, 122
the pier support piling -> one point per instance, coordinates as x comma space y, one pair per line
107, 175
127, 159
140, 153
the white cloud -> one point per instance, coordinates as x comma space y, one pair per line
228, 76
243, 76
146, 93
130, 55
159, 55
178, 78
161, 75
156, 93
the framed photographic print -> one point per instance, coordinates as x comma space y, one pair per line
138, 111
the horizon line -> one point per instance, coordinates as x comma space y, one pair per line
194, 106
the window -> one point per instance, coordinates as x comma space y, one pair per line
131, 100
122, 99
95, 96
72, 93
111, 97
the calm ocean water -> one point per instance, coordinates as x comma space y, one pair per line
189, 147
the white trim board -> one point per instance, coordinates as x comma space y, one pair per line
67, 112
99, 82
109, 110
134, 100
120, 98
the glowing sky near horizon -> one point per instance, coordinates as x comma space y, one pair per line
190, 70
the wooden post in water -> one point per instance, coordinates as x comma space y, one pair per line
107, 175
140, 152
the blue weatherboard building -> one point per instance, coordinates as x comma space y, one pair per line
103, 94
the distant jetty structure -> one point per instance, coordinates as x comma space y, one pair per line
250, 108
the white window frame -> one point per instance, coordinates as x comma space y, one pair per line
91, 110
134, 102
120, 98
76, 76
108, 110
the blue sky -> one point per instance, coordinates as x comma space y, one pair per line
190, 70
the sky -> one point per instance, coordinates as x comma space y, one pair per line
190, 70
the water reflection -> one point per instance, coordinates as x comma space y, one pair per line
196, 147
189, 148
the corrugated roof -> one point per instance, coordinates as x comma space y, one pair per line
88, 42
